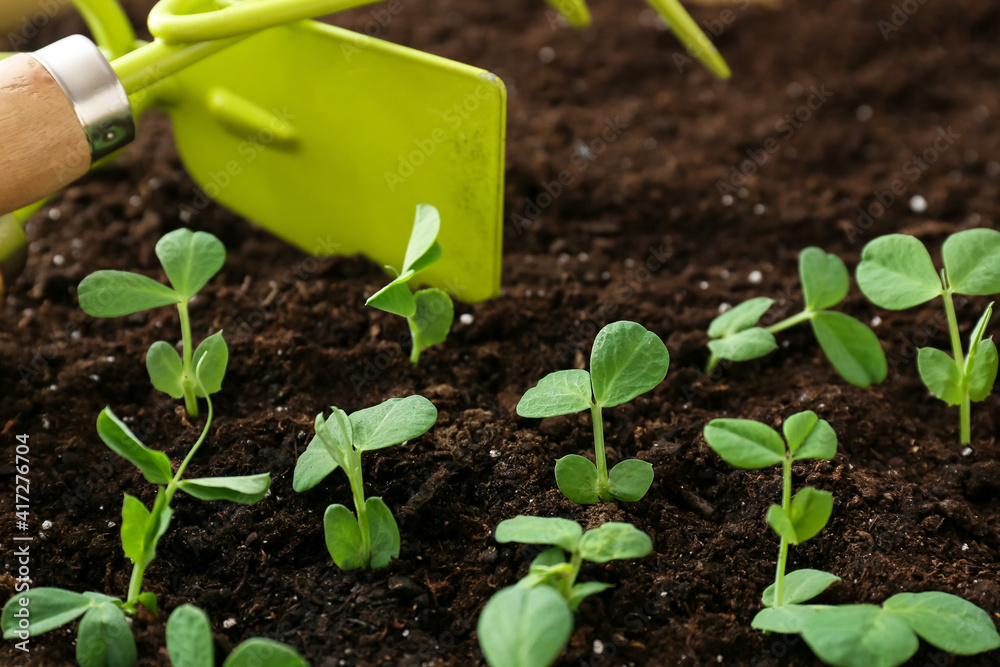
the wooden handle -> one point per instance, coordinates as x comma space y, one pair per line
43, 146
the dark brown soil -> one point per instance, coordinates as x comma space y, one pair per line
913, 511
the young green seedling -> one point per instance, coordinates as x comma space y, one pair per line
371, 539
896, 272
190, 259
528, 624
851, 347
429, 312
190, 644
104, 638
627, 360
848, 635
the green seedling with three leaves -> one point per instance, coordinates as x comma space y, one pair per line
846, 635
528, 624
626, 361
429, 312
189, 259
896, 272
850, 345
370, 539
190, 644
104, 637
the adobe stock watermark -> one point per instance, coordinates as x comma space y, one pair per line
786, 128
898, 17
381, 18
913, 169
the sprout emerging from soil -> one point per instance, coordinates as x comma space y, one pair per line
528, 624
845, 635
371, 539
104, 638
627, 360
429, 312
851, 347
190, 644
896, 272
190, 259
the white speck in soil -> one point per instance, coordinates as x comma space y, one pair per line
546, 54
228, 623
583, 150
54, 214
759, 209
606, 275
135, 200
718, 658
185, 215
727, 200
876, 321
466, 319
583, 257
58, 260
703, 284
755, 277
723, 307
786, 343
966, 451
598, 647
46, 524
406, 633
95, 377
629, 262
965, 547
494, 453
46, 424
918, 204
52, 387
111, 524
863, 113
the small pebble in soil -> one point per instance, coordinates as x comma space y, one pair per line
466, 319
606, 275
966, 451
583, 257
406, 633
58, 260
598, 647
876, 321
727, 200
228, 623
759, 209
629, 262
54, 214
755, 277
546, 54
494, 453
111, 524
46, 524
703, 284
863, 113
965, 547
723, 307
918, 204
135, 200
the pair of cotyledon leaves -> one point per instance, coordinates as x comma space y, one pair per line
431, 310
338, 442
527, 625
626, 361
896, 272
851, 347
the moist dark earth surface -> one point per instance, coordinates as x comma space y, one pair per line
643, 232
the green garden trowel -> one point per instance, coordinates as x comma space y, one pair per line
326, 137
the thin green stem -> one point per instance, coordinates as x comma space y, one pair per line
569, 580
190, 398
358, 491
713, 361
786, 501
415, 352
804, 316
603, 484
965, 417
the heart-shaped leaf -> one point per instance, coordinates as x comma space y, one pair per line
559, 393
809, 512
189, 638
166, 370
614, 541
627, 360
809, 437
104, 638
851, 347
154, 465
117, 293
562, 533
748, 344
396, 297
739, 318
946, 621
245, 490
313, 466
392, 422
859, 636
384, 533
972, 260
984, 371
745, 443
190, 259
343, 538
433, 316
896, 272
940, 374
210, 361
422, 250
524, 627
136, 529
787, 619
258, 652
630, 480
578, 479
825, 280
800, 586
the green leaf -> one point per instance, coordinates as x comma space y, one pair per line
977, 335
946, 621
896, 272
627, 360
104, 639
524, 627
154, 465
825, 280
984, 371
739, 318
575, 12
808, 514
859, 636
166, 370
559, 393
577, 478
210, 361
189, 638
420, 252
117, 293
800, 586
781, 523
335, 432
748, 344
562, 533
630, 480
148, 600
392, 422
245, 490
313, 466
258, 652
135, 529
100, 598
384, 533
550, 557
343, 538
190, 259
787, 619
809, 437
972, 260
940, 374
745, 443
615, 541
587, 588
396, 297
433, 317
48, 608
851, 347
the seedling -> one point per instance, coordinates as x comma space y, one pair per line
190, 259
190, 644
896, 272
627, 360
847, 635
104, 637
528, 624
371, 539
429, 312
851, 347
